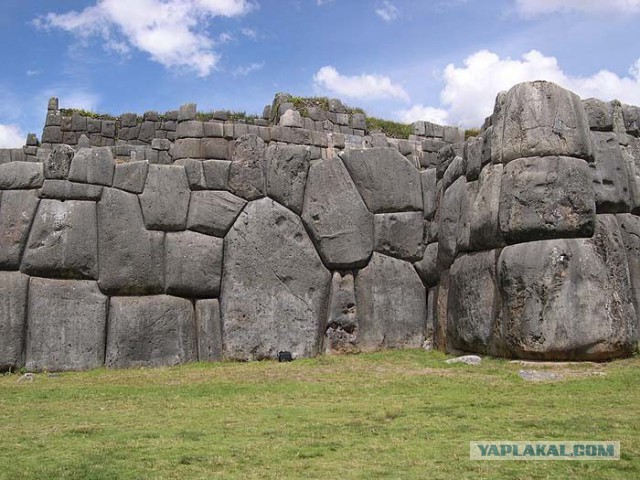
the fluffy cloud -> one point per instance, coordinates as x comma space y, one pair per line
469, 92
420, 112
530, 8
172, 32
11, 136
243, 71
363, 87
387, 11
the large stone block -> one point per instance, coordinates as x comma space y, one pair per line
485, 231
63, 242
428, 180
165, 199
568, 299
247, 174
13, 317
194, 171
66, 325
609, 171
17, 209
19, 175
400, 235
342, 324
428, 267
378, 173
130, 257
392, 305
216, 149
451, 227
131, 176
93, 165
213, 212
209, 330
631, 157
187, 148
473, 302
150, 332
287, 170
275, 288
58, 162
599, 114
65, 190
216, 174
537, 119
193, 264
546, 197
336, 217
630, 230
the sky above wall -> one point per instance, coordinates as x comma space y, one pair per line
405, 60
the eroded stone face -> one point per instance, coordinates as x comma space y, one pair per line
247, 173
274, 287
13, 311
17, 208
287, 169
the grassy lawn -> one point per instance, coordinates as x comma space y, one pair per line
396, 415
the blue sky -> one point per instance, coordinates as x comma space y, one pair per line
439, 60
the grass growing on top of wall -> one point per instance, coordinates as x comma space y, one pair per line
67, 112
398, 414
390, 128
471, 132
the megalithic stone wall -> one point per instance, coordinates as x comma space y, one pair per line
521, 242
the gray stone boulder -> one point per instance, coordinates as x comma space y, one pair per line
630, 230
451, 225
473, 157
631, 157
165, 199
209, 330
599, 114
456, 169
392, 305
19, 175
93, 165
440, 312
291, 118
58, 162
466, 359
336, 217
150, 332
213, 212
17, 209
193, 264
609, 172
130, 257
216, 174
63, 242
428, 267
194, 171
13, 316
131, 177
287, 170
247, 173
473, 303
546, 197
428, 180
568, 299
400, 235
66, 325
342, 324
275, 288
537, 119
65, 190
377, 173
485, 231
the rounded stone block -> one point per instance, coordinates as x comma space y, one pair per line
213, 212
93, 165
13, 317
247, 173
165, 199
400, 235
17, 209
287, 170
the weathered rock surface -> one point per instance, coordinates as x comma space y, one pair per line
287, 170
213, 212
568, 299
466, 359
599, 114
195, 172
537, 119
19, 175
193, 264
65, 190
610, 180
17, 209
93, 165
342, 324
630, 230
450, 229
275, 288
131, 177
336, 217
13, 317
216, 174
400, 235
165, 200
247, 173
63, 242
427, 267
484, 226
209, 330
66, 325
377, 173
58, 162
546, 197
130, 257
392, 305
428, 180
150, 332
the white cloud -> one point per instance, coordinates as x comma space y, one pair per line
249, 33
323, 2
420, 112
469, 92
172, 32
32, 73
364, 87
531, 8
246, 70
387, 11
11, 136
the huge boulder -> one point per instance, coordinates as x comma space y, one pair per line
287, 169
247, 173
399, 235
93, 165
452, 212
17, 208
209, 330
342, 324
13, 311
484, 228
275, 288
213, 212
336, 217
610, 177
165, 200
18, 175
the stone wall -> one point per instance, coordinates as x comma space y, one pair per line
230, 242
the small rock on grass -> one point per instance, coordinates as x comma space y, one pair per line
466, 359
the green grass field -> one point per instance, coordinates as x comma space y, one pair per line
396, 415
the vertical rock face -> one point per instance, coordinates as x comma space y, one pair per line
630, 230
568, 299
209, 330
546, 197
485, 225
165, 200
609, 172
427, 267
287, 169
400, 235
336, 217
93, 165
13, 311
17, 208
64, 241
58, 162
247, 174
452, 210
150, 331
213, 213
66, 325
274, 286
392, 305
342, 324
540, 119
